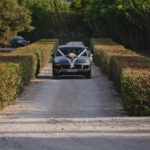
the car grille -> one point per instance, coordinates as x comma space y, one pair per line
57, 66
60, 67
75, 67
65, 66
86, 67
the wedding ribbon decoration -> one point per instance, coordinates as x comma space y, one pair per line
71, 63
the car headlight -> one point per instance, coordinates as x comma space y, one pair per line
86, 62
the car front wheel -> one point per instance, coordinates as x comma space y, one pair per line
54, 74
88, 75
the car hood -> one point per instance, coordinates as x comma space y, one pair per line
63, 60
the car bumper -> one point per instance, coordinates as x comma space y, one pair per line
76, 70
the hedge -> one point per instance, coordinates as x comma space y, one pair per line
30, 60
10, 82
5, 51
129, 71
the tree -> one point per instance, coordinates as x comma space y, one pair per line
14, 18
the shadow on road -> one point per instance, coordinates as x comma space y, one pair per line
61, 77
44, 77
108, 142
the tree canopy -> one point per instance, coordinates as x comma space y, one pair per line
125, 21
14, 18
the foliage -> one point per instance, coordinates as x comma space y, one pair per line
58, 21
129, 71
19, 67
24, 61
135, 88
12, 19
10, 82
47, 18
125, 21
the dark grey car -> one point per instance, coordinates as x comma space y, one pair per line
71, 60
18, 41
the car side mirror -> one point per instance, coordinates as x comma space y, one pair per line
91, 56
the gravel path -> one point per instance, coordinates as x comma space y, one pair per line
71, 114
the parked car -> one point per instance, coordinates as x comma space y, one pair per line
21, 43
71, 60
18, 41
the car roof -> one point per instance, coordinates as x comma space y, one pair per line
71, 46
75, 43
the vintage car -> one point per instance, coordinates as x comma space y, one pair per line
71, 59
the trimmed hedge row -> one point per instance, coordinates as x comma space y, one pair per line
5, 51
129, 71
28, 63
10, 82
30, 60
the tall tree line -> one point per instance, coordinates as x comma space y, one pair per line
125, 21
14, 18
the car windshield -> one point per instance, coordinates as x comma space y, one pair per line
19, 37
68, 50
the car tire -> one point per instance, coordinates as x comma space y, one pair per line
54, 75
88, 75
13, 45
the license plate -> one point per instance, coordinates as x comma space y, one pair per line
71, 70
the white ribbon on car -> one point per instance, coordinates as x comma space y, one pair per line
71, 63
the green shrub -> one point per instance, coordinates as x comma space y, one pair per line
135, 89
129, 71
29, 60
107, 54
53, 42
28, 63
40, 54
10, 82
103, 50
119, 63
